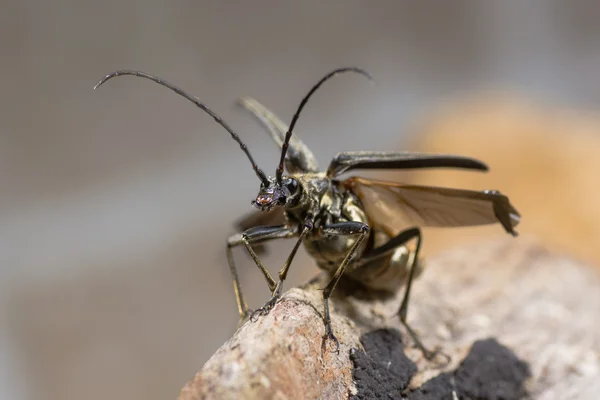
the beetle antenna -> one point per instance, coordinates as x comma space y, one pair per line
196, 101
288, 134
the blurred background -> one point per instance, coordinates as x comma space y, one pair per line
116, 203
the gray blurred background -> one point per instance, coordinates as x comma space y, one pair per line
116, 203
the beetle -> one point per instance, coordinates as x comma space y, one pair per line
355, 227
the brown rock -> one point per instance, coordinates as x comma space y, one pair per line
541, 306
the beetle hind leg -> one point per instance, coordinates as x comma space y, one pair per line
415, 233
402, 266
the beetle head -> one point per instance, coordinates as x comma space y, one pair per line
284, 194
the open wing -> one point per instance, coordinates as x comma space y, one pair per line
394, 206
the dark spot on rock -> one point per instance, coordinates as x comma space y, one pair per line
382, 371
439, 387
489, 372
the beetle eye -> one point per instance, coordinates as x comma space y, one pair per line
291, 185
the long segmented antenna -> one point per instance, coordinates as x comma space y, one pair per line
196, 101
288, 135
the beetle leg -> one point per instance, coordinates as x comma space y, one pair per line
276, 290
412, 233
254, 235
350, 228
384, 250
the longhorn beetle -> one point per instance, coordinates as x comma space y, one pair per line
354, 227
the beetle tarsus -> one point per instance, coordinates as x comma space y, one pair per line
328, 330
254, 315
264, 310
330, 336
429, 355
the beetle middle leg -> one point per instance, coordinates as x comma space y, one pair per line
346, 229
254, 235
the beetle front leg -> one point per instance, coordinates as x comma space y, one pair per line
306, 228
254, 235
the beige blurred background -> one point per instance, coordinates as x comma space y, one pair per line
116, 203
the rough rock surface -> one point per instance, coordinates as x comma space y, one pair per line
502, 310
